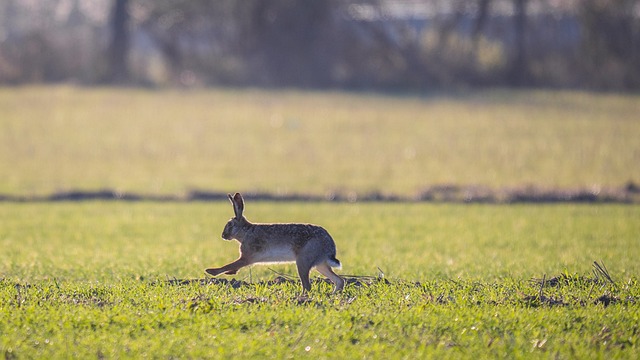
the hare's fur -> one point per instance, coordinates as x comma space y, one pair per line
307, 245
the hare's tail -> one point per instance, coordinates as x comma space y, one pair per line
334, 262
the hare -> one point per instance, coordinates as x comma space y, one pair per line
307, 245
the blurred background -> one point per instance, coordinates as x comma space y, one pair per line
364, 44
483, 101
322, 97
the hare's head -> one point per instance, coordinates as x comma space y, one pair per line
236, 224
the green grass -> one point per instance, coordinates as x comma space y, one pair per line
88, 280
93, 279
167, 142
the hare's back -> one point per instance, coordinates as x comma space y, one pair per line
295, 235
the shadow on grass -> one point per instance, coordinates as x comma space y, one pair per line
579, 290
350, 280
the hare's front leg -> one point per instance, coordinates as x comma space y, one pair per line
229, 269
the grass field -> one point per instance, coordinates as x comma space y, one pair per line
90, 280
167, 142
119, 279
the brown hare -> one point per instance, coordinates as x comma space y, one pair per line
307, 245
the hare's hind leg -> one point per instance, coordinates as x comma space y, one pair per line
228, 269
325, 269
303, 272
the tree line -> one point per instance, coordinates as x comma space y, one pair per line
357, 44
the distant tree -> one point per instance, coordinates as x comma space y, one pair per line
120, 43
197, 40
611, 43
481, 20
288, 40
518, 73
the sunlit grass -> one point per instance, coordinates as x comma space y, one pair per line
89, 279
95, 241
168, 141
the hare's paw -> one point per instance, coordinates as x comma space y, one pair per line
231, 272
213, 271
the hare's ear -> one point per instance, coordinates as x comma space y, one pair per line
238, 204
